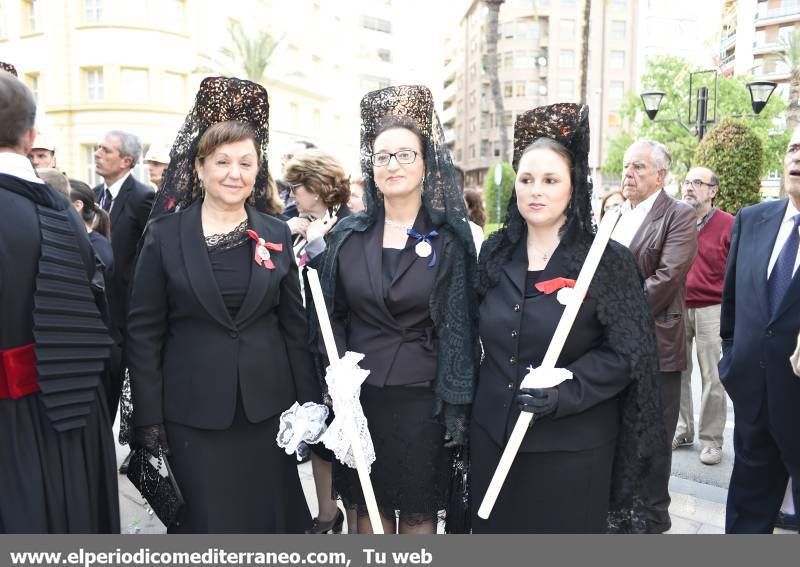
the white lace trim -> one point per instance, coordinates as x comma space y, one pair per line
301, 424
344, 379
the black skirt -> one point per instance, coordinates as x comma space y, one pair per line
553, 492
411, 469
56, 482
236, 480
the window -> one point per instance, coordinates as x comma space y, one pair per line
134, 85
471, 125
616, 59
785, 33
566, 89
508, 118
486, 121
172, 14
566, 29
527, 29
566, 58
616, 90
30, 16
486, 148
376, 24
534, 89
508, 60
93, 11
508, 89
32, 80
524, 60
613, 120
94, 84
472, 150
569, 2
618, 30
87, 155
174, 89
520, 89
620, 4
385, 55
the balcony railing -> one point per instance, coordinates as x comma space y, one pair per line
792, 9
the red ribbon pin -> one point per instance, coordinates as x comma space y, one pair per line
261, 255
551, 286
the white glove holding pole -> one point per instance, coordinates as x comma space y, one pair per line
541, 377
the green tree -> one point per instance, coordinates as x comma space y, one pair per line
735, 153
791, 56
490, 193
671, 75
246, 55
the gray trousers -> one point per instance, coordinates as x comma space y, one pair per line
702, 327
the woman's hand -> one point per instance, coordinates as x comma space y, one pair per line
298, 225
541, 402
319, 228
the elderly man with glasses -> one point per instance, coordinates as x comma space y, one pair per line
703, 299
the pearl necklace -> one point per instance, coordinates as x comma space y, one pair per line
397, 225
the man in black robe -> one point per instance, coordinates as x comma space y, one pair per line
57, 461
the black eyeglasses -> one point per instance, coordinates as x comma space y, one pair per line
404, 157
696, 183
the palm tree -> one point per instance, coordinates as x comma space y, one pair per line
244, 55
492, 37
791, 56
584, 70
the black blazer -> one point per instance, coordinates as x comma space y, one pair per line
129, 216
755, 346
515, 333
187, 357
400, 345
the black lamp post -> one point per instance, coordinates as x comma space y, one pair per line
760, 92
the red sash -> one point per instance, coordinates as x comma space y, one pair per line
18, 375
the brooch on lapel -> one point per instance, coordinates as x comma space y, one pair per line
562, 286
423, 247
262, 255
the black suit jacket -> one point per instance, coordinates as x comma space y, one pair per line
515, 333
755, 346
129, 216
400, 344
664, 248
187, 357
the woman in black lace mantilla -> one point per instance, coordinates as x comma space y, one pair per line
581, 462
217, 334
399, 277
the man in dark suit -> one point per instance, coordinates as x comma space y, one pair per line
128, 202
759, 325
661, 233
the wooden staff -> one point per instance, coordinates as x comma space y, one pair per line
333, 358
551, 356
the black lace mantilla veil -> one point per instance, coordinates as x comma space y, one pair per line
621, 304
453, 307
8, 68
219, 99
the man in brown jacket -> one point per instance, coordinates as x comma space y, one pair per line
661, 233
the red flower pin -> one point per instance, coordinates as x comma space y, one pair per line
262, 256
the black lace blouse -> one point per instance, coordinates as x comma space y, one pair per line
231, 258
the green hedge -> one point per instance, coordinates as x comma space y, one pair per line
735, 153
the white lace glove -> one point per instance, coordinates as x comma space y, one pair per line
344, 379
545, 377
301, 424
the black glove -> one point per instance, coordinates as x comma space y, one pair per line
541, 402
151, 438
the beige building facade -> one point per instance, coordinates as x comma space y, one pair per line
539, 51
96, 65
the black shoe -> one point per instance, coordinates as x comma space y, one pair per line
123, 468
332, 527
789, 522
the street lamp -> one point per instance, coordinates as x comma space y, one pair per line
760, 92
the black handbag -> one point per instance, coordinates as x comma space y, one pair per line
153, 478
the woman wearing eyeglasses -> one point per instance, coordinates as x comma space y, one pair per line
400, 279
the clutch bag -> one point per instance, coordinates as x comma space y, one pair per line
152, 476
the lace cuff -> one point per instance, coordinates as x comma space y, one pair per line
301, 424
